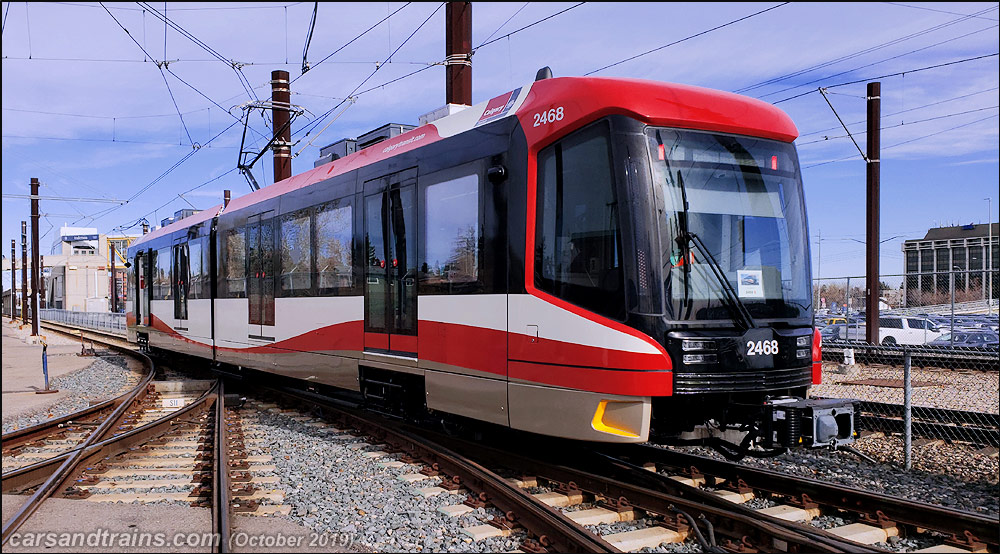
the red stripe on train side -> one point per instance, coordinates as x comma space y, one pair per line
403, 343
543, 350
465, 346
376, 340
606, 381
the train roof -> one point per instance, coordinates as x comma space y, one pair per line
583, 99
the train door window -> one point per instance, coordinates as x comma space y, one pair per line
260, 274
296, 254
577, 236
140, 286
162, 288
198, 259
376, 274
235, 264
451, 234
334, 260
180, 282
403, 207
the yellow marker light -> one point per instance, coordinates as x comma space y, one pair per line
599, 425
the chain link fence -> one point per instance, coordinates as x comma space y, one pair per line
933, 372
98, 321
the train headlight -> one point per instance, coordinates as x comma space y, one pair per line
689, 345
802, 353
700, 358
803, 342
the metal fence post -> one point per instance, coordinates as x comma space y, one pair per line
907, 416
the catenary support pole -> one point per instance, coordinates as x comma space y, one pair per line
35, 257
280, 108
114, 282
458, 53
13, 280
24, 272
872, 227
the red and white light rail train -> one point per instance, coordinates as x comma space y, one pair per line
590, 258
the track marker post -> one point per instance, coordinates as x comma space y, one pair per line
45, 370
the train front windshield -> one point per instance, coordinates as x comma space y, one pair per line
732, 206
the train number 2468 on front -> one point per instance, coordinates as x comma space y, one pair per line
598, 259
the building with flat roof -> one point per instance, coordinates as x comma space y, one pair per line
962, 252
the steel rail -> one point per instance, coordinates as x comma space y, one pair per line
732, 520
899, 510
552, 528
221, 491
19, 437
73, 458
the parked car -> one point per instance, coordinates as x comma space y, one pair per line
967, 340
896, 330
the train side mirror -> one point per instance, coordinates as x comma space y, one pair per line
128, 265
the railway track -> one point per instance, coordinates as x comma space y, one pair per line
799, 500
550, 519
620, 499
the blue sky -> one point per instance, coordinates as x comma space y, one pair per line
84, 112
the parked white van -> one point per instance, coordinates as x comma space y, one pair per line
897, 330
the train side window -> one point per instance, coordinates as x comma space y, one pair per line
296, 253
162, 287
198, 259
334, 229
577, 235
452, 233
235, 264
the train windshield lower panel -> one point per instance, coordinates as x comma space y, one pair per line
733, 206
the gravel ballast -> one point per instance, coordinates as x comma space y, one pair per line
102, 380
953, 489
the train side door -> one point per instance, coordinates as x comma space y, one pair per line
391, 265
260, 276
181, 274
142, 288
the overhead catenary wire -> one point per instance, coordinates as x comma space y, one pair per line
897, 56
308, 129
528, 26
504, 24
352, 41
235, 66
936, 118
706, 31
5, 12
856, 53
884, 116
906, 141
896, 74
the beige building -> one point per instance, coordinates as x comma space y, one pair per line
77, 271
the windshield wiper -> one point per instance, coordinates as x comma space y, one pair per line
740, 314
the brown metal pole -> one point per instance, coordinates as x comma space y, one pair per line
280, 104
24, 272
872, 227
114, 281
13, 280
458, 53
34, 256
226, 197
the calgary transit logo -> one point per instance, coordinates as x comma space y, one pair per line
498, 107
